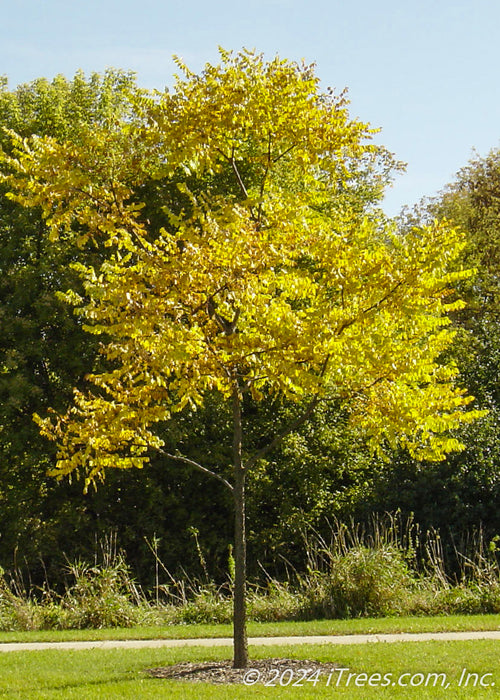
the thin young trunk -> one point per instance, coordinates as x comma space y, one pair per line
239, 601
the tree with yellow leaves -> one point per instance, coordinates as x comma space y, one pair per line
265, 278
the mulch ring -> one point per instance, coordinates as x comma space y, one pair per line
274, 672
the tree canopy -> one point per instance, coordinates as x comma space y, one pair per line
276, 285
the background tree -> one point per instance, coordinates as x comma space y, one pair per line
43, 350
460, 494
277, 288
471, 202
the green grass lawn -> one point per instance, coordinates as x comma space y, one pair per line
98, 674
270, 629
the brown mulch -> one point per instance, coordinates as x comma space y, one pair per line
266, 670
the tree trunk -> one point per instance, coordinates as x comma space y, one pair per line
240, 574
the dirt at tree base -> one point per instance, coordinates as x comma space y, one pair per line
264, 670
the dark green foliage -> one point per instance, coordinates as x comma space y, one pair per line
307, 480
455, 496
43, 350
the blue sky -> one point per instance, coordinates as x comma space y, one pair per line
426, 72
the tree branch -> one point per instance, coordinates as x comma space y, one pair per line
283, 154
375, 305
192, 463
264, 178
238, 177
384, 298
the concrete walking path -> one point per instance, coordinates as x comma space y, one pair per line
252, 641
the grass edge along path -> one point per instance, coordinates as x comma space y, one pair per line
253, 641
387, 625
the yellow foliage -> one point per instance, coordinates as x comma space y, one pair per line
267, 287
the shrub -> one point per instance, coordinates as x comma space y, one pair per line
101, 596
275, 603
363, 581
207, 606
